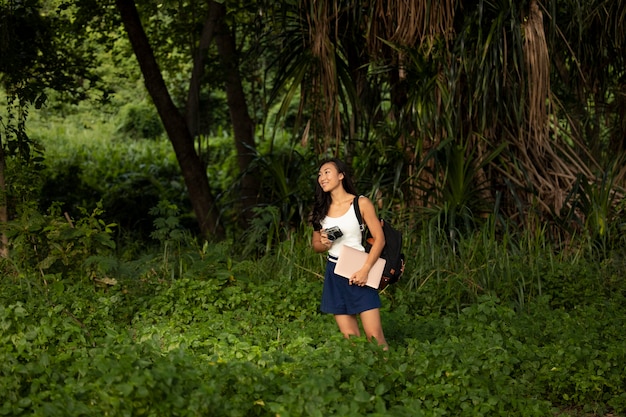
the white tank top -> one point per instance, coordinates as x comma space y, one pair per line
349, 225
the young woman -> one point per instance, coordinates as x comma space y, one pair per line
346, 298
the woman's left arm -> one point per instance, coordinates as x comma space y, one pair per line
368, 212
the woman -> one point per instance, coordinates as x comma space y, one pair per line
346, 298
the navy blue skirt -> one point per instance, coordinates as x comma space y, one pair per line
339, 297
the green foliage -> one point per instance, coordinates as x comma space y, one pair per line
224, 336
447, 275
246, 350
127, 177
484, 322
84, 166
172, 237
458, 194
54, 243
167, 228
287, 180
264, 231
39, 51
596, 211
139, 121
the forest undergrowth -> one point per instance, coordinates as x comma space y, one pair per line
94, 321
194, 330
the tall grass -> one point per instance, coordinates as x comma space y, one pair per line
516, 267
97, 144
443, 272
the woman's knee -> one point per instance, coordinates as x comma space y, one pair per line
348, 325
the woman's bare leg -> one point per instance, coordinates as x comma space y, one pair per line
373, 327
348, 325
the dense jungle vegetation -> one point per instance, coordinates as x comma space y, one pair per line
157, 164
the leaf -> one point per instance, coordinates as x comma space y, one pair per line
363, 396
48, 261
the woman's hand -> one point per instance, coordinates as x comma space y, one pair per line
360, 277
326, 242
320, 241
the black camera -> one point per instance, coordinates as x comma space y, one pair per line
333, 233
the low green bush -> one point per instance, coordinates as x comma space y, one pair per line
245, 338
486, 327
139, 121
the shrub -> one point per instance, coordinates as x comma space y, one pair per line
139, 121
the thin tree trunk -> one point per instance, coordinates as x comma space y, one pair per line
193, 97
4, 212
174, 122
243, 126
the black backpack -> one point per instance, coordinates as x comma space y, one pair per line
392, 252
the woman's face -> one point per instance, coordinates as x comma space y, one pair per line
329, 177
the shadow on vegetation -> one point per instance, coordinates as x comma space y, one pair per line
399, 327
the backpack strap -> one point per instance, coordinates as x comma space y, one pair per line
366, 238
357, 211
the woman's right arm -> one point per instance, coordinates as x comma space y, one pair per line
320, 242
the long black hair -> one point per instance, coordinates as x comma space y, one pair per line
323, 199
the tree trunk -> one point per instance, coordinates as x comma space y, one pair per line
193, 96
4, 212
243, 125
174, 122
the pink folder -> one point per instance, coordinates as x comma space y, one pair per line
351, 260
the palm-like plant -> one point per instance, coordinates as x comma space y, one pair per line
472, 100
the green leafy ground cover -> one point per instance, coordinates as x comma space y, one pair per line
245, 338
93, 322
